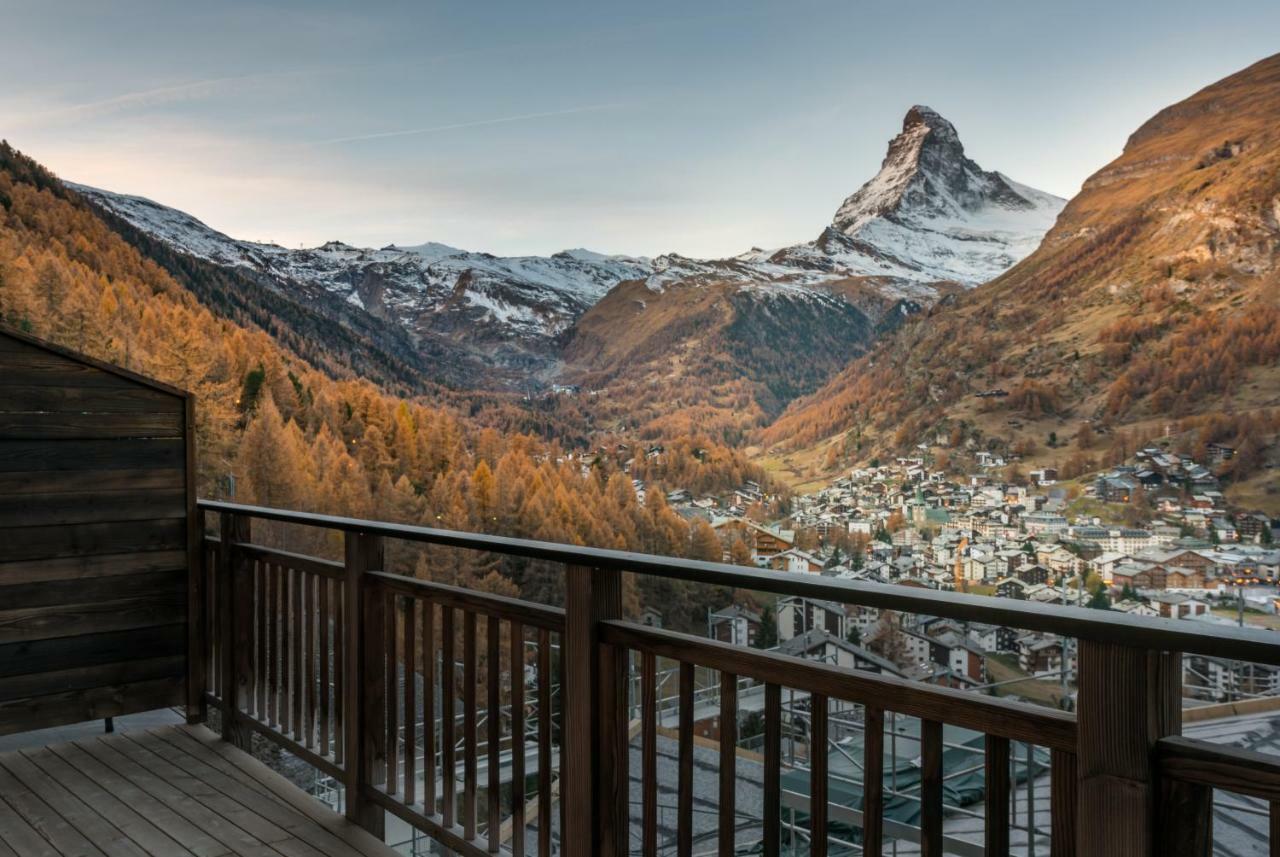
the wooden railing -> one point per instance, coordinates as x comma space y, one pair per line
405, 691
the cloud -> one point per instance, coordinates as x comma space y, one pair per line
460, 125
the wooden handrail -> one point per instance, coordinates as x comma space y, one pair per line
1144, 632
1219, 766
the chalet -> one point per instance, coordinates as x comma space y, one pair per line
796, 560
796, 615
734, 624
821, 645
763, 541
1173, 605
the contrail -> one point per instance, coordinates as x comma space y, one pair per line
459, 125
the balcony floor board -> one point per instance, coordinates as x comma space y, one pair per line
173, 791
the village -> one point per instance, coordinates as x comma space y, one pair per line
1153, 537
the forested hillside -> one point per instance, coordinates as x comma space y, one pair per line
1152, 306
287, 434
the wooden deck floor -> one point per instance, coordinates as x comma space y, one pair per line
174, 791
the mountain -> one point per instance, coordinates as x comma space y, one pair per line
505, 311
1152, 304
727, 344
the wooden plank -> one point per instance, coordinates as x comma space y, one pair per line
996, 803
684, 777
410, 700
86, 823
468, 600
365, 762
248, 794
544, 741
87, 507
159, 810
931, 788
120, 481
1220, 766
818, 775
29, 397
283, 790
237, 830
95, 703
772, 807
1128, 699
493, 733
448, 714
62, 835
1063, 797
87, 567
48, 542
297, 580
50, 425
53, 593
991, 715
728, 764
101, 800
339, 666
309, 711
391, 689
97, 675
27, 456
516, 632
649, 755
260, 663
326, 649
100, 617
429, 717
22, 840
46, 655
469, 726
873, 782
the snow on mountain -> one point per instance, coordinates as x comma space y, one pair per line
426, 286
931, 214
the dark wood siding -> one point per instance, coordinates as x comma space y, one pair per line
96, 510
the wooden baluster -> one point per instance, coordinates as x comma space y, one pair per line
393, 697
309, 649
772, 769
684, 797
339, 675
197, 708
296, 581
493, 722
818, 775
429, 708
996, 771
930, 788
261, 673
273, 643
449, 708
728, 763
544, 742
326, 694
649, 749
1128, 699
364, 692
560, 782
285, 700
469, 725
1274, 826
873, 782
517, 739
1063, 796
594, 732
410, 700
237, 630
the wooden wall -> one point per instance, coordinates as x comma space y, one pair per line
97, 516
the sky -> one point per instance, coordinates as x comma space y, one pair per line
703, 128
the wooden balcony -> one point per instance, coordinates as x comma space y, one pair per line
488, 725
357, 671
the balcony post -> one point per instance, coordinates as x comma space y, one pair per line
364, 691
594, 742
1129, 698
235, 602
